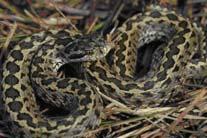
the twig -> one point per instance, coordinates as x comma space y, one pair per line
112, 18
37, 20
199, 98
13, 29
6, 44
92, 25
61, 13
68, 10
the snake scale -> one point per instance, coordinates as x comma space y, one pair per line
109, 67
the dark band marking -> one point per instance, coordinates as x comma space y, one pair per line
161, 75
28, 118
120, 55
169, 63
62, 34
183, 63
193, 34
128, 95
11, 79
188, 53
149, 85
155, 14
128, 25
62, 84
176, 69
17, 54
47, 125
83, 92
23, 87
12, 93
102, 73
38, 60
64, 122
148, 94
109, 88
171, 16
26, 45
181, 33
130, 86
187, 45
86, 100
38, 38
15, 106
48, 81
37, 74
179, 40
64, 41
12, 67
183, 24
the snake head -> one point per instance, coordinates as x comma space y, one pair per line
86, 48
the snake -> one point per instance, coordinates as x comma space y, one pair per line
110, 67
179, 40
27, 65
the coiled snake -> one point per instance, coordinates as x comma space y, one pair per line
109, 68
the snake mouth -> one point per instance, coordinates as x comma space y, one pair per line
72, 70
146, 56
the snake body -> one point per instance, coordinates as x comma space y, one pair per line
184, 40
25, 69
110, 68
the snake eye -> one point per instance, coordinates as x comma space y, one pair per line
76, 56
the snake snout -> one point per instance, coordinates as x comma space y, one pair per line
77, 56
